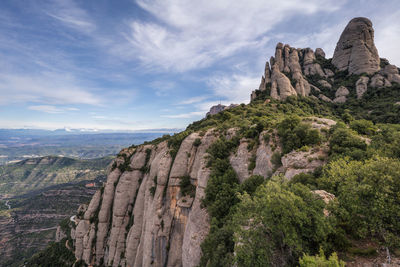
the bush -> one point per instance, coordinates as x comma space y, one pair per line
346, 142
276, 159
295, 134
250, 184
363, 127
321, 261
278, 224
197, 142
186, 186
368, 197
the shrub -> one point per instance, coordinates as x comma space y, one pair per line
363, 127
295, 134
152, 190
346, 142
278, 224
252, 163
368, 197
197, 142
276, 159
321, 261
186, 186
250, 184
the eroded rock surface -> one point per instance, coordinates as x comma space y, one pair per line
356, 51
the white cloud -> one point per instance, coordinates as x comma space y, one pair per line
71, 15
51, 109
194, 34
46, 108
234, 88
48, 88
193, 100
184, 115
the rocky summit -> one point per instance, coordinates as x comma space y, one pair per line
356, 51
249, 185
303, 72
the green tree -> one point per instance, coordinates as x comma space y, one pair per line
278, 224
368, 194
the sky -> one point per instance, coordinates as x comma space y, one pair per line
156, 64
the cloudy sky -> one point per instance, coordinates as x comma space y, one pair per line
150, 64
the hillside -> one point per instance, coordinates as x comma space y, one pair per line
37, 173
38, 193
306, 174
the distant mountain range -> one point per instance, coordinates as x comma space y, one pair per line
19, 144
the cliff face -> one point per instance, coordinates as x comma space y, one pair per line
141, 218
303, 72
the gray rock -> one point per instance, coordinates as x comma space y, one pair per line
378, 81
361, 86
355, 50
215, 109
340, 99
325, 84
240, 161
319, 52
324, 98
392, 73
342, 91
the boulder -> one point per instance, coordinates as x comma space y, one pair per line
379, 81
342, 91
325, 84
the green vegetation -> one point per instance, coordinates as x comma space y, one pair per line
288, 217
321, 261
295, 134
186, 186
56, 254
38, 173
368, 197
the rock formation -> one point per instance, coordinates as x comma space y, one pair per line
356, 51
293, 71
218, 108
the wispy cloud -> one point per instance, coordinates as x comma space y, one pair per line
193, 100
192, 35
47, 88
184, 115
71, 15
51, 109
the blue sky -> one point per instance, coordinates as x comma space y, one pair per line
148, 64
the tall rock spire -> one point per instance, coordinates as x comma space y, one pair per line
356, 51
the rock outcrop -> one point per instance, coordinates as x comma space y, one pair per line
356, 51
303, 72
218, 108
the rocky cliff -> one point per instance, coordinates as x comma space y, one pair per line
141, 218
301, 71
